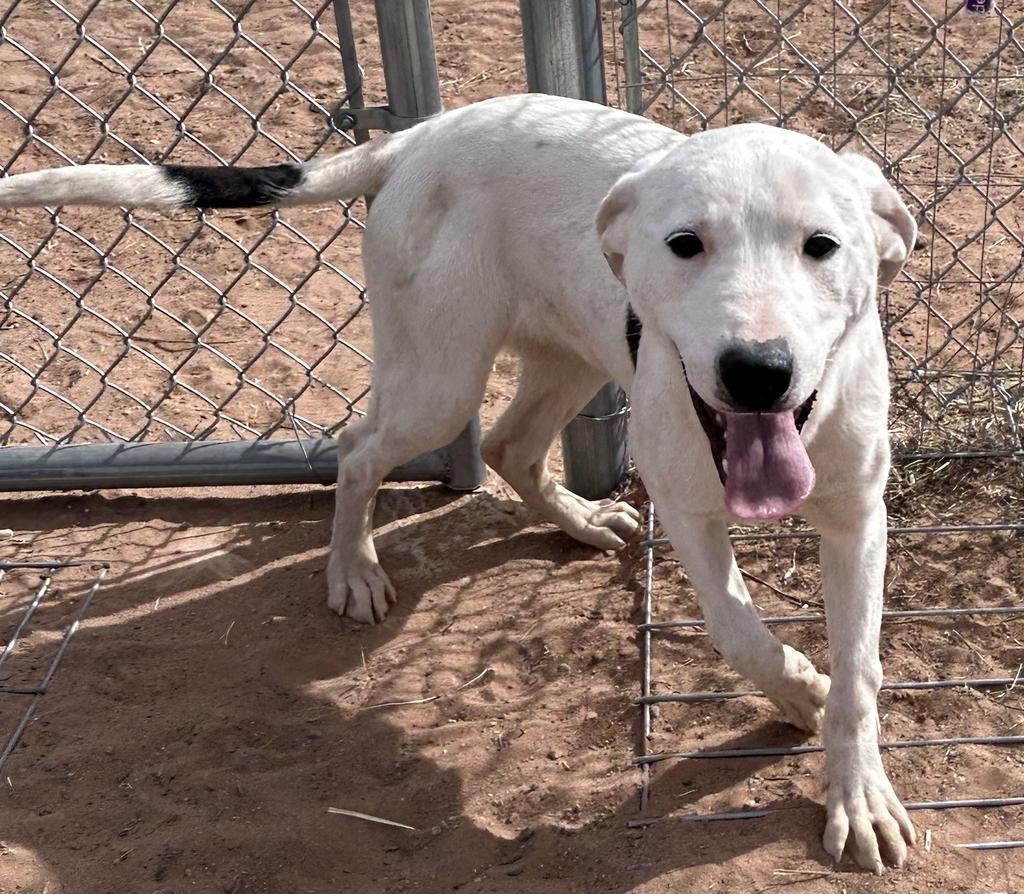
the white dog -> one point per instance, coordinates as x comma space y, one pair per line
758, 385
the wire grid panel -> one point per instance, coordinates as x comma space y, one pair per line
38, 617
950, 739
144, 326
934, 95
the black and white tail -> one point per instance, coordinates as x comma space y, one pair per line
356, 172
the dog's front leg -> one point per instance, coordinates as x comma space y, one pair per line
863, 809
734, 625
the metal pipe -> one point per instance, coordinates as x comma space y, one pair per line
410, 66
796, 750
645, 649
204, 463
414, 93
350, 64
562, 46
970, 528
12, 641
812, 617
630, 30
711, 696
991, 845
564, 56
465, 470
760, 814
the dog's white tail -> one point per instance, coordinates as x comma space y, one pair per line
356, 172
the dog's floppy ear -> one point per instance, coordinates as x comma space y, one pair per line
613, 222
895, 228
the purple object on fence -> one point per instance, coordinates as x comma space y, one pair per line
980, 7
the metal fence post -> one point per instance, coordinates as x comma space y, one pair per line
562, 43
350, 64
630, 30
414, 92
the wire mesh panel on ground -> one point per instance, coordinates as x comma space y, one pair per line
934, 95
146, 326
950, 703
35, 631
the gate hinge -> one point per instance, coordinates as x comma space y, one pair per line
372, 118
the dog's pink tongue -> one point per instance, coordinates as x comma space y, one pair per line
769, 473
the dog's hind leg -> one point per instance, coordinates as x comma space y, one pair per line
552, 390
411, 410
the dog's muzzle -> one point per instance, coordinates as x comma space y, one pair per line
760, 458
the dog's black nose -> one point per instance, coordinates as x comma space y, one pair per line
755, 374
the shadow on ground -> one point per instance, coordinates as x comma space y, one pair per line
213, 709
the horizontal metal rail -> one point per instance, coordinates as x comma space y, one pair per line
771, 811
796, 750
893, 532
689, 697
15, 566
991, 845
209, 463
815, 617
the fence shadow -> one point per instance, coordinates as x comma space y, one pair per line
198, 744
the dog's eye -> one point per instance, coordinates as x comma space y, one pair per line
685, 244
820, 246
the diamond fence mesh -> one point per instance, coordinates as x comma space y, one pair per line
147, 326
144, 326
934, 95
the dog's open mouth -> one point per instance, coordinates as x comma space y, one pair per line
760, 458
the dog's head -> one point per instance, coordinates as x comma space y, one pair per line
753, 249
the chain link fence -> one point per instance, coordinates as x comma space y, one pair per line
191, 328
933, 94
184, 327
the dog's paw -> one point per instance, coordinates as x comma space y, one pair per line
801, 693
359, 589
605, 524
865, 814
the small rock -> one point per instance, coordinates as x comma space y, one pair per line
6, 533
552, 755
